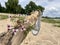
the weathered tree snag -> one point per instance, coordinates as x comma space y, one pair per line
18, 38
10, 39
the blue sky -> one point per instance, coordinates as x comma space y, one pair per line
52, 7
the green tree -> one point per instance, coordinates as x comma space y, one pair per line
2, 9
32, 7
23, 11
12, 6
41, 8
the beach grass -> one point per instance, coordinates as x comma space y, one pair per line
55, 22
3, 17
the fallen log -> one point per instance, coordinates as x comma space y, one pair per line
10, 39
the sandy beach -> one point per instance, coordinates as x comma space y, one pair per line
48, 35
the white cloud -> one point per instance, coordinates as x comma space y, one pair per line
3, 2
52, 9
52, 12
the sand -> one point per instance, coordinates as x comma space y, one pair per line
48, 35
3, 25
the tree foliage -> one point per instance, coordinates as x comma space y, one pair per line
32, 7
41, 8
12, 6
2, 9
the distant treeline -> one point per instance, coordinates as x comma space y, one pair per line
12, 6
50, 17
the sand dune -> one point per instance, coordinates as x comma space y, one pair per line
48, 35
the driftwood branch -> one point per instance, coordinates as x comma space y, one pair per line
10, 39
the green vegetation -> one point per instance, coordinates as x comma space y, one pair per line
32, 7
48, 20
55, 22
12, 6
50, 17
57, 25
3, 17
21, 18
2, 9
